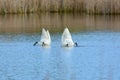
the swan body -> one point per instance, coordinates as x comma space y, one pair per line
45, 38
66, 39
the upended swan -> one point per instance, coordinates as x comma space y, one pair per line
66, 39
45, 38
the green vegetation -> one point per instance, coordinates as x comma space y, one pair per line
83, 6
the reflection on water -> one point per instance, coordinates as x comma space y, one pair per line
97, 58
33, 23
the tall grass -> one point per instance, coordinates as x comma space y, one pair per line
19, 6
87, 6
103, 6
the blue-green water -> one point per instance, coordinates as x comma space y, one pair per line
97, 58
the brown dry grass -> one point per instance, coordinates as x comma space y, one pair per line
87, 6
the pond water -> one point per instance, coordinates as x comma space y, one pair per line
97, 58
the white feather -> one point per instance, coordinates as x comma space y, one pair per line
45, 37
67, 39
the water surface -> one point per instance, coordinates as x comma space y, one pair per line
97, 58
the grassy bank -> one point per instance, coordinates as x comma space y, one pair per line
86, 6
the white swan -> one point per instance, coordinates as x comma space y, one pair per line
66, 39
45, 38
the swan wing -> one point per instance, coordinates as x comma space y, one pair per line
66, 37
45, 37
66, 34
44, 34
48, 37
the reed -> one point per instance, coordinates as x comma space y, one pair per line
19, 6
103, 7
86, 6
